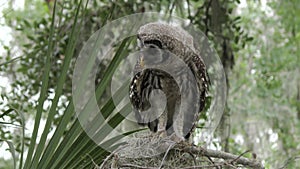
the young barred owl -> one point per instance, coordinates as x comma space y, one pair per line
170, 82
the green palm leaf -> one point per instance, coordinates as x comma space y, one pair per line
67, 147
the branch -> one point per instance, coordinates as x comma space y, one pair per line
288, 161
226, 156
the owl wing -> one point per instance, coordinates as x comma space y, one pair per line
139, 92
198, 69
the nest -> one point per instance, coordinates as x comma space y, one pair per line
154, 152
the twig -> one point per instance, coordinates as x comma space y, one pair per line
210, 159
110, 155
204, 166
96, 165
194, 159
189, 11
239, 156
162, 162
206, 20
105, 160
136, 166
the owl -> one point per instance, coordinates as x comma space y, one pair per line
169, 83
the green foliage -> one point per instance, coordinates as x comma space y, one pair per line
259, 59
265, 82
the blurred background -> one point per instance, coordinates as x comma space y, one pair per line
258, 42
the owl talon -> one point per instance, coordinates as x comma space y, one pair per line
162, 134
177, 139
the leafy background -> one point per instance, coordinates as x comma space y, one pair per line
258, 43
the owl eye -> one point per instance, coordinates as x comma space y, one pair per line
140, 43
153, 43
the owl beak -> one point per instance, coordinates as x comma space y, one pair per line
142, 61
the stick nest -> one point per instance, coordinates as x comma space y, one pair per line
152, 152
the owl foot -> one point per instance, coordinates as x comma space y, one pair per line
158, 135
177, 139
162, 134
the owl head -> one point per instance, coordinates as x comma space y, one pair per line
160, 43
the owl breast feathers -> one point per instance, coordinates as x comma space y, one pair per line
170, 82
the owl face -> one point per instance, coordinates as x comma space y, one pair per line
152, 53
